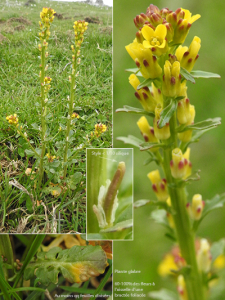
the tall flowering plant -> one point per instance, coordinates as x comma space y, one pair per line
164, 66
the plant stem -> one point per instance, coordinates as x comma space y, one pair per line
69, 118
185, 234
43, 114
7, 253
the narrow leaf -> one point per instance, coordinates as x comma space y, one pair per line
167, 113
147, 82
148, 145
135, 110
203, 74
119, 226
206, 124
144, 202
187, 75
132, 140
135, 71
140, 203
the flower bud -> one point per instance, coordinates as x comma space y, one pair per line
181, 288
204, 257
144, 95
196, 207
185, 136
160, 133
140, 20
171, 79
159, 185
177, 164
144, 60
146, 130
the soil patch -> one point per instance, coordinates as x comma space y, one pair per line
94, 20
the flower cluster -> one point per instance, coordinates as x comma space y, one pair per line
99, 129
13, 119
47, 16
79, 29
75, 116
50, 157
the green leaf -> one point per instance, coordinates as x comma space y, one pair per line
74, 180
135, 110
181, 183
119, 226
141, 202
21, 152
187, 75
206, 124
167, 113
217, 249
146, 82
203, 74
35, 126
135, 71
159, 216
163, 294
148, 145
29, 152
76, 264
132, 140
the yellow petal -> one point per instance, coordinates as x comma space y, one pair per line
161, 31
147, 32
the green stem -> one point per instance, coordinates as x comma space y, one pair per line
71, 103
185, 235
7, 253
43, 114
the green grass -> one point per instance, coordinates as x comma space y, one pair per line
19, 93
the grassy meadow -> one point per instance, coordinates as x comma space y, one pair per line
60, 204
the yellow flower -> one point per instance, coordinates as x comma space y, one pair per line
171, 79
185, 136
196, 207
144, 60
79, 29
146, 130
144, 95
219, 262
181, 288
50, 157
155, 40
180, 165
13, 119
99, 129
75, 116
160, 133
159, 185
167, 265
188, 56
183, 22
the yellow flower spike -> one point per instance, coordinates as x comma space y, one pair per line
160, 133
79, 28
144, 95
171, 85
155, 39
99, 129
181, 288
13, 119
196, 207
144, 60
146, 130
204, 257
185, 136
159, 185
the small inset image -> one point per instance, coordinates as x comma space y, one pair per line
109, 194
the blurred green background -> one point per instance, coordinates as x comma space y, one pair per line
149, 245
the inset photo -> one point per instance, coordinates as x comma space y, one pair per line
109, 194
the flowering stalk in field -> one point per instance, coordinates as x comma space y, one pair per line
165, 66
79, 29
47, 16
